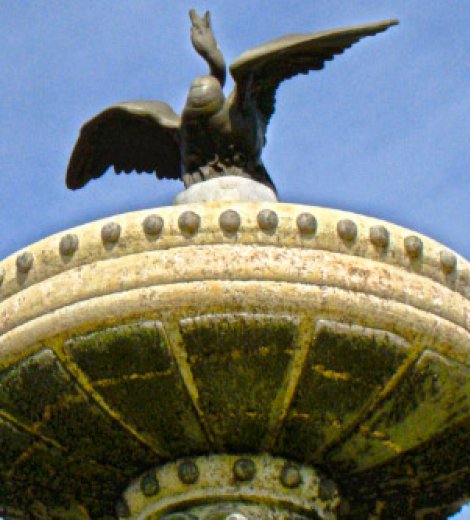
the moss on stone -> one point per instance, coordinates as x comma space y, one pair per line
239, 364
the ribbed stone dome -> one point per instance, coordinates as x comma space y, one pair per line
316, 336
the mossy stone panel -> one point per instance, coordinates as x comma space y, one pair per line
49, 481
29, 389
132, 369
432, 477
345, 369
12, 444
120, 351
434, 395
239, 363
40, 393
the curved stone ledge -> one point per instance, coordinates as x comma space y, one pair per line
233, 263
183, 299
328, 230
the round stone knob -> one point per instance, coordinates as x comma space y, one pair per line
149, 484
24, 262
290, 476
379, 236
153, 225
307, 224
413, 246
189, 222
229, 221
268, 220
188, 472
347, 229
110, 233
448, 261
68, 244
244, 469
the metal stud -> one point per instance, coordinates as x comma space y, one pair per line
110, 232
24, 262
448, 261
244, 469
189, 222
290, 476
188, 472
68, 245
307, 224
379, 236
153, 225
149, 484
347, 229
413, 246
230, 221
267, 220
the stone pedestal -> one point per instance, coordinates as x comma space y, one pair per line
228, 189
197, 336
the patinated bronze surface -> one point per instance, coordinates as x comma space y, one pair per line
214, 135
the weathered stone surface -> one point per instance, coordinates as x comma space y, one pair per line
352, 356
230, 188
345, 370
132, 369
279, 491
40, 397
239, 362
434, 395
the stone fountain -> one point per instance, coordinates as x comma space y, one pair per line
231, 357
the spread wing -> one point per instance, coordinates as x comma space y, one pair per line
136, 135
259, 71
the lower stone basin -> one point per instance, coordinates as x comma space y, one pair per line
327, 340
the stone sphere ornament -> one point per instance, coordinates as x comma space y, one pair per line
110, 233
153, 225
24, 262
379, 236
68, 244
413, 247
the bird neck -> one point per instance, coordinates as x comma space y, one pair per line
216, 63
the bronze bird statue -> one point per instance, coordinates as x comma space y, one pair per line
215, 135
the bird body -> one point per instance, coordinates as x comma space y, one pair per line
215, 135
219, 139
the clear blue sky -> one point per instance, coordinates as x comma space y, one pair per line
383, 130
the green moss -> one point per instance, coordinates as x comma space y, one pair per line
127, 349
239, 365
343, 372
28, 389
133, 370
160, 407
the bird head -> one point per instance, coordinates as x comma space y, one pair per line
205, 96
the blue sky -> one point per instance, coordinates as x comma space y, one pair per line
383, 130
